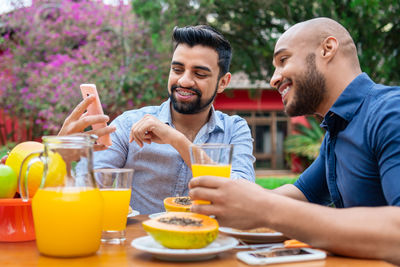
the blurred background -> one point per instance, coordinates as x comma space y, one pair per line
49, 47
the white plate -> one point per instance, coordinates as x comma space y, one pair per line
133, 213
147, 243
254, 237
152, 216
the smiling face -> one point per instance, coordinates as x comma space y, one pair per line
296, 77
193, 79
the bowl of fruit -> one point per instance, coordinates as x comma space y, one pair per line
16, 220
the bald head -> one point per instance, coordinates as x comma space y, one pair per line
312, 33
314, 61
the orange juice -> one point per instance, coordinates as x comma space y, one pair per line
116, 208
68, 220
213, 170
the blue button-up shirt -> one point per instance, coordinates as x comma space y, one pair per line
160, 171
359, 160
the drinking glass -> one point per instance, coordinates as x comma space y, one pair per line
211, 160
115, 187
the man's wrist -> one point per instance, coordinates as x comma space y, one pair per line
179, 141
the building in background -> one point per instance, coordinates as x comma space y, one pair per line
263, 110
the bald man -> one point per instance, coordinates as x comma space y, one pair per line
358, 170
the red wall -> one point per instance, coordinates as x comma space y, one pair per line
263, 100
10, 130
243, 99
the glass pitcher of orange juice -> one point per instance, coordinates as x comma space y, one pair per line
67, 208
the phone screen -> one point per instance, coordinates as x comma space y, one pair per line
280, 253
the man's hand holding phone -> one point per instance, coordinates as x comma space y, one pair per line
79, 120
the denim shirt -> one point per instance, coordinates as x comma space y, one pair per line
359, 160
160, 171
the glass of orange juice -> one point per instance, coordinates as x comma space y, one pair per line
115, 188
211, 160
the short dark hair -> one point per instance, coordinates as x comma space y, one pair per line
207, 36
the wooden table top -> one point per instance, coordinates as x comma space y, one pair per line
26, 254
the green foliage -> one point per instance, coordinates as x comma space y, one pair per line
253, 27
6, 148
307, 141
274, 182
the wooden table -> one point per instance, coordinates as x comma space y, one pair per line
26, 254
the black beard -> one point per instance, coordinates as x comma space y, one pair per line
193, 107
310, 90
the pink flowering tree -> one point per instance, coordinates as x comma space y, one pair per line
49, 49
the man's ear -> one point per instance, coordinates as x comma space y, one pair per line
224, 82
329, 47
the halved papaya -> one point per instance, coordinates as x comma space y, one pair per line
182, 230
177, 204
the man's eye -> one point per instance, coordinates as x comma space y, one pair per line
201, 75
282, 59
178, 70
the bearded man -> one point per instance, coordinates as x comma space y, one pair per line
155, 140
347, 201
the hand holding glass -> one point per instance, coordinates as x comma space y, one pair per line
211, 160
115, 187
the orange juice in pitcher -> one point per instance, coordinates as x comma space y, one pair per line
68, 208
64, 220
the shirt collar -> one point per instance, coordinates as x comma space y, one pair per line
213, 123
347, 104
352, 97
165, 113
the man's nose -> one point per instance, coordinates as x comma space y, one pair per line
186, 80
276, 79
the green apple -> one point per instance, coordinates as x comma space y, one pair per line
8, 182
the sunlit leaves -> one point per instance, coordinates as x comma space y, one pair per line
253, 27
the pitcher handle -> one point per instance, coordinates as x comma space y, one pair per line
23, 187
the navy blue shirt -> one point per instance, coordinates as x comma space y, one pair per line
359, 160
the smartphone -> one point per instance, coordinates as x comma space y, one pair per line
279, 255
95, 109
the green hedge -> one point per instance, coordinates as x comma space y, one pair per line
274, 182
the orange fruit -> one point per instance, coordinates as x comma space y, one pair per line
56, 172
